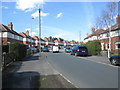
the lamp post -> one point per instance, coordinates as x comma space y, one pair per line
40, 30
31, 36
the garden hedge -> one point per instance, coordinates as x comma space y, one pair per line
18, 49
94, 47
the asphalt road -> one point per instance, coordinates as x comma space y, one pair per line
84, 73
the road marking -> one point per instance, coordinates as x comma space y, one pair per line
69, 81
96, 61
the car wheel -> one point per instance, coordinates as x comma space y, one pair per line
114, 62
76, 54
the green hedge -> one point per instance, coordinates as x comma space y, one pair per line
5, 48
94, 47
18, 49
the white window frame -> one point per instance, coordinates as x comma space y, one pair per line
116, 45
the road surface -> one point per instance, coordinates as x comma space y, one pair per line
84, 73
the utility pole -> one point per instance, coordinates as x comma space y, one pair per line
40, 30
31, 36
80, 36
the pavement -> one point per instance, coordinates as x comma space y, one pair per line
20, 73
26, 73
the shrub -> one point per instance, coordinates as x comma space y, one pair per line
94, 47
5, 48
18, 49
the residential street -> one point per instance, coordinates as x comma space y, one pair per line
33, 72
83, 72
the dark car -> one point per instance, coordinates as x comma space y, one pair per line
67, 49
79, 50
115, 60
45, 49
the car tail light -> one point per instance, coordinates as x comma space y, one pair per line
78, 50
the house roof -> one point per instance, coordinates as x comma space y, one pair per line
24, 35
36, 37
97, 32
6, 29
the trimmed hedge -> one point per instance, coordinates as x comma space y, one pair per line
5, 48
18, 49
94, 47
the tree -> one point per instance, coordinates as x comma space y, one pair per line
106, 20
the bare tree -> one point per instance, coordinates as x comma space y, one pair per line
108, 19
109, 14
98, 23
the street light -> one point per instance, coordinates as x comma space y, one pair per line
40, 30
31, 35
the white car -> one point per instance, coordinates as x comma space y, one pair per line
55, 49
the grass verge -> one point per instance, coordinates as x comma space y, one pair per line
51, 81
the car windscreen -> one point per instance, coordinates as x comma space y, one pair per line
83, 48
67, 48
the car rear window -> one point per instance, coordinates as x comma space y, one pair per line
82, 48
67, 48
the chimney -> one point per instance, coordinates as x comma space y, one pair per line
118, 19
10, 26
27, 33
93, 30
87, 35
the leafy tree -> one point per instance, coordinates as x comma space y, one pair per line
94, 47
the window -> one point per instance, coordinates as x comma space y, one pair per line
107, 46
117, 45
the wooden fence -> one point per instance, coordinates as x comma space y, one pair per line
7, 59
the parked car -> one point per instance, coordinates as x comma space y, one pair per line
79, 50
45, 49
55, 49
115, 60
67, 49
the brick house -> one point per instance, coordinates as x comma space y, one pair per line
103, 36
9, 35
46, 41
27, 39
37, 40
56, 42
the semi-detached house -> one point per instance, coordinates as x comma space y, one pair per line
27, 39
103, 36
8, 35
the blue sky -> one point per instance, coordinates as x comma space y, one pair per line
59, 19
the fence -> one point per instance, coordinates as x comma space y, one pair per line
7, 59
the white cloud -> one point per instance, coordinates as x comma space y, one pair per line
59, 14
28, 5
59, 35
30, 32
4, 7
58, 32
36, 14
33, 34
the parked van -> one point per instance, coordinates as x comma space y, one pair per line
55, 49
79, 50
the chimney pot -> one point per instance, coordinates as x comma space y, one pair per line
93, 30
10, 26
118, 20
27, 32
